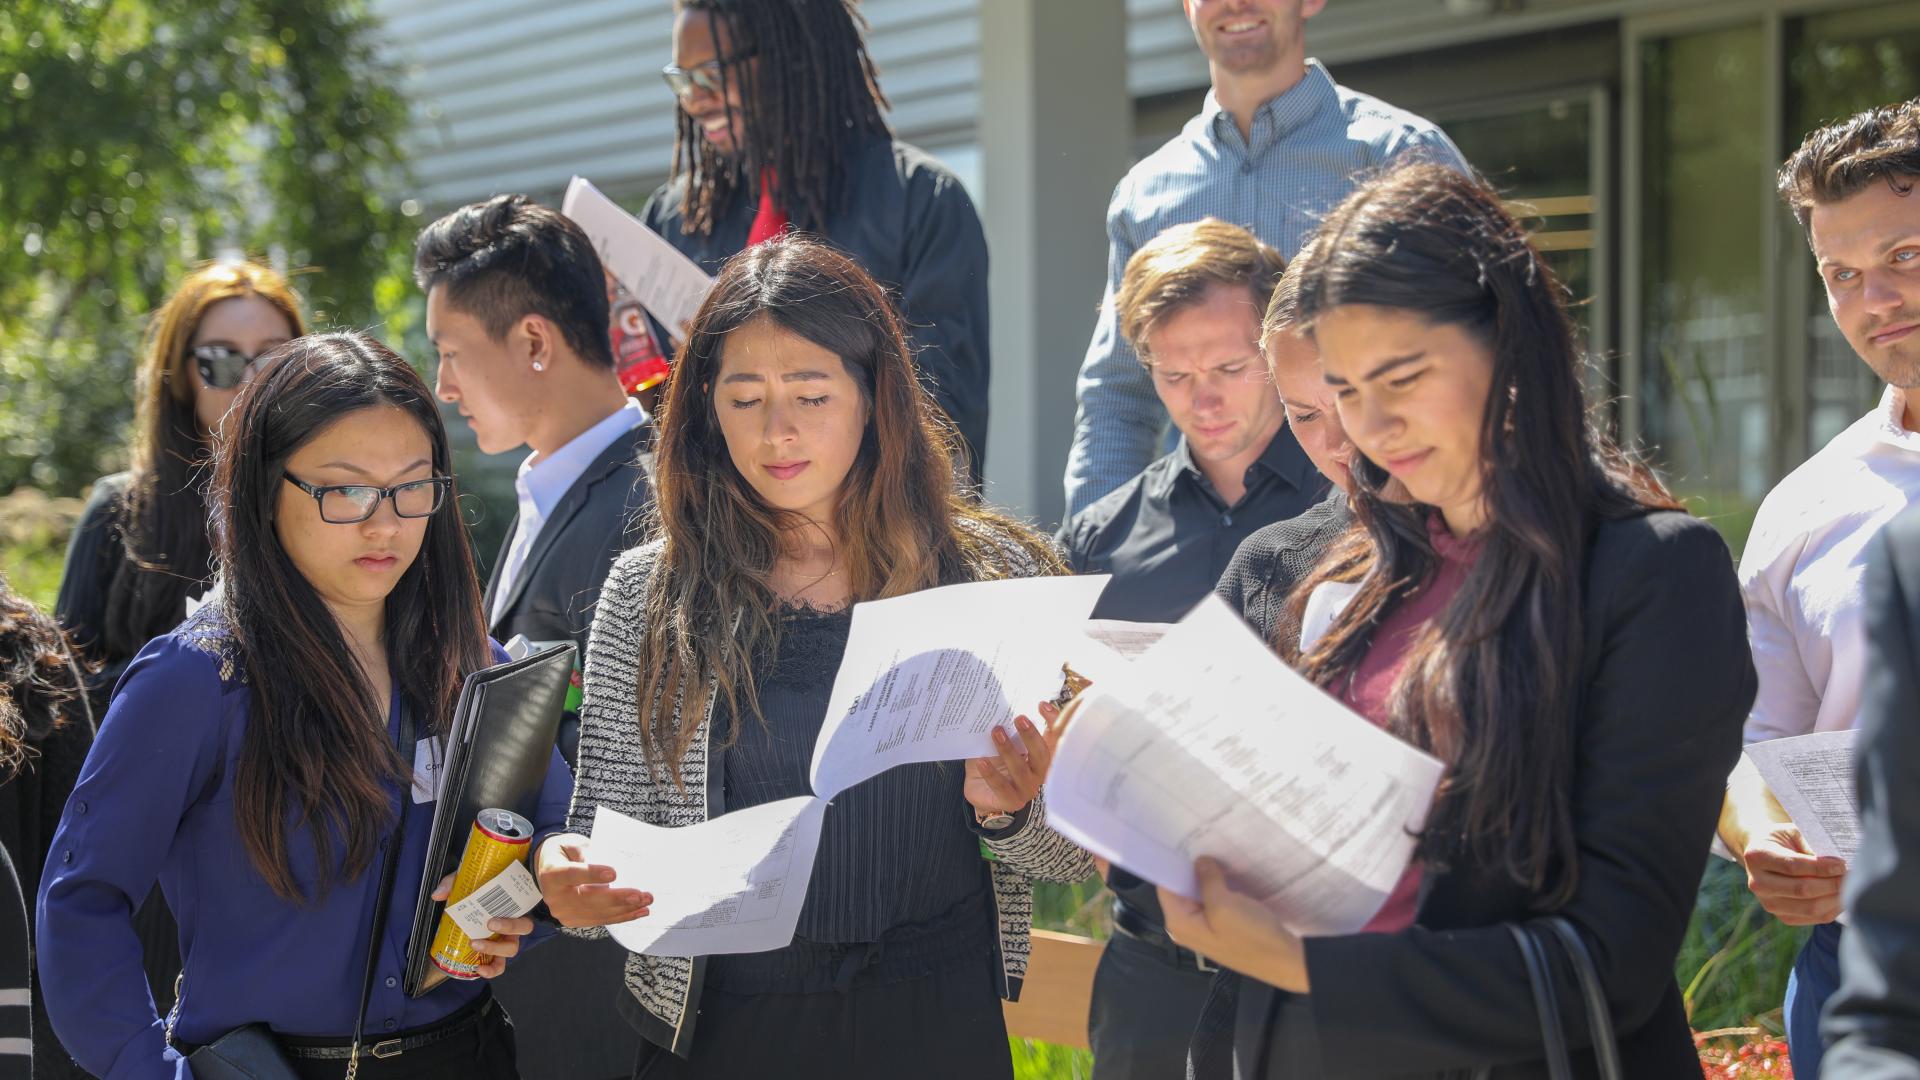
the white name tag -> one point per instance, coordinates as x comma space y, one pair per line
429, 761
511, 894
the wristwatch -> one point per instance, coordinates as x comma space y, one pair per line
996, 819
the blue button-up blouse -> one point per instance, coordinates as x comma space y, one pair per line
155, 802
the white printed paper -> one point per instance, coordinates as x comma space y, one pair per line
928, 676
1812, 776
510, 894
668, 284
1209, 745
429, 769
734, 884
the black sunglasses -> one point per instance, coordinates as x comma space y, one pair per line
350, 504
222, 367
682, 81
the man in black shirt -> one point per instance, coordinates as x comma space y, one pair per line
1190, 302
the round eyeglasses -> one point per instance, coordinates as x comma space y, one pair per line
350, 504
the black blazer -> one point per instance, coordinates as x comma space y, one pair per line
566, 994
552, 597
1874, 1021
1668, 680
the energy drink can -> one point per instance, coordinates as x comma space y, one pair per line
499, 839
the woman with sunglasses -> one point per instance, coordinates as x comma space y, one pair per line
140, 550
258, 760
780, 125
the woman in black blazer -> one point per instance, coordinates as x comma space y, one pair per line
1528, 606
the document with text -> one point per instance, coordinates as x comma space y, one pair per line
926, 677
668, 284
734, 884
1812, 776
1208, 744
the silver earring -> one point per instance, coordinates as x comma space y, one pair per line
538, 366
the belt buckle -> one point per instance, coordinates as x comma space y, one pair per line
387, 1048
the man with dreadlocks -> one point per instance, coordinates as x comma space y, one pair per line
780, 127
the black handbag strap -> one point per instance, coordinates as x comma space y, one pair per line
1599, 1016
1546, 1003
384, 898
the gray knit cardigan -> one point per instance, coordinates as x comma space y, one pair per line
611, 772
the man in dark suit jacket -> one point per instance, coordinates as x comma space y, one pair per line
517, 311
1874, 1020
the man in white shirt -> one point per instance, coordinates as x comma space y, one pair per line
1852, 186
517, 311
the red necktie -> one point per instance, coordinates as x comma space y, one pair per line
769, 220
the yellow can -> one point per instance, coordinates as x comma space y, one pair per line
499, 839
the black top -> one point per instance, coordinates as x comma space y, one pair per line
1874, 1020
1166, 536
1261, 577
1666, 681
909, 223
96, 555
908, 826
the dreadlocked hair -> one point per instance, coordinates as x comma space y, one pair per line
813, 83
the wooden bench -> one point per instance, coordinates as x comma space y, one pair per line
1059, 985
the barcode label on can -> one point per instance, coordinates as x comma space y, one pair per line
511, 893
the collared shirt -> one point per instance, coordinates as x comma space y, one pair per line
541, 486
155, 802
1166, 536
1804, 569
1306, 150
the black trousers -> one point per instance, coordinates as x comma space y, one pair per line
940, 1026
1144, 1007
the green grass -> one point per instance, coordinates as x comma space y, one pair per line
33, 572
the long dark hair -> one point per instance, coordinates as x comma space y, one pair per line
816, 90
1492, 685
902, 523
315, 753
163, 521
41, 686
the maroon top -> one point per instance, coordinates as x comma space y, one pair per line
1371, 687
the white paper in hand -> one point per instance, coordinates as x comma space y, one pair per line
734, 884
1813, 777
668, 284
928, 676
1209, 745
510, 894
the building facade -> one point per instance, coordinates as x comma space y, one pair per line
1640, 135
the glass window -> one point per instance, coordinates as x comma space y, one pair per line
1705, 356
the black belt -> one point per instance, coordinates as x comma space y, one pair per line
1139, 927
460, 1021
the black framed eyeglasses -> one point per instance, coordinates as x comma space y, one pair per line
223, 367
350, 504
683, 81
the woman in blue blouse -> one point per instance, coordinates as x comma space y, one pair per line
250, 763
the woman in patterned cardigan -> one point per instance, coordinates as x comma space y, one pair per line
802, 469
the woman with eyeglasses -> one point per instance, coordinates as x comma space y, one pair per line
780, 127
140, 550
258, 759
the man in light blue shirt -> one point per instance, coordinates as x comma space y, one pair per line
1276, 145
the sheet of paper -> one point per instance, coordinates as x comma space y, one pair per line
1209, 745
668, 284
1812, 776
734, 884
1129, 639
927, 676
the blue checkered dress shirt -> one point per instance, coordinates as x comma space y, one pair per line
1309, 147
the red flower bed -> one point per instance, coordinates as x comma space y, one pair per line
1742, 1054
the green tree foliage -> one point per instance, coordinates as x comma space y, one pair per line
139, 138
